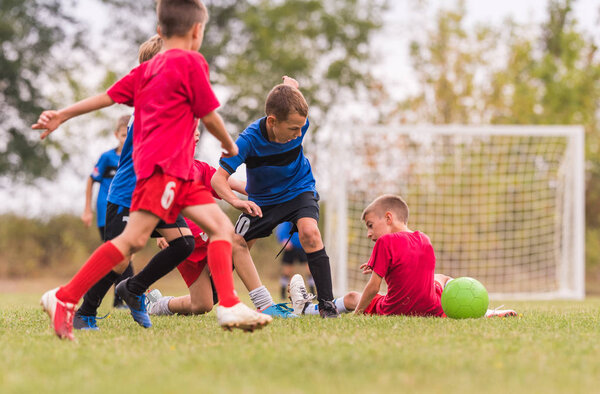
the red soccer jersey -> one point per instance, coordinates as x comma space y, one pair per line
168, 93
407, 263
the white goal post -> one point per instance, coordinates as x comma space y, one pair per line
503, 204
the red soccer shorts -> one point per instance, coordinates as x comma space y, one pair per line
165, 195
372, 308
190, 270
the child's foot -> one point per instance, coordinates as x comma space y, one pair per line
136, 304
279, 310
298, 295
83, 322
500, 312
61, 314
152, 298
328, 310
242, 317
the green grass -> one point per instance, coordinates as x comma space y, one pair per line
552, 347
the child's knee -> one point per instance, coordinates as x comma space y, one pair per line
200, 308
351, 300
238, 242
310, 237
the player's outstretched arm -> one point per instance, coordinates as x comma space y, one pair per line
220, 184
237, 186
214, 124
87, 215
50, 120
371, 289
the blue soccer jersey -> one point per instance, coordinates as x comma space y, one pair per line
282, 232
275, 172
123, 183
103, 173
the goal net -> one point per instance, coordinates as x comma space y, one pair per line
502, 204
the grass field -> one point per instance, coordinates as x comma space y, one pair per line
552, 347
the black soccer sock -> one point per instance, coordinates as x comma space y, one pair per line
318, 263
93, 298
161, 264
128, 273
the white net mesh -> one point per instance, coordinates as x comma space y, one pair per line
499, 204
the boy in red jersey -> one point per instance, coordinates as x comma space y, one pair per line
404, 258
169, 93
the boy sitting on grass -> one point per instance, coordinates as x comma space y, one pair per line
404, 258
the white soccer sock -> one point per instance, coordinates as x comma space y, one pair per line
312, 309
339, 304
261, 298
162, 307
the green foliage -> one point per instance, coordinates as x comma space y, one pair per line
552, 348
32, 33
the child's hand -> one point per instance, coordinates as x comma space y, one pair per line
248, 207
48, 121
230, 149
86, 218
366, 269
162, 243
290, 81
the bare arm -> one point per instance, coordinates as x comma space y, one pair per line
214, 124
220, 183
237, 185
87, 215
371, 289
50, 120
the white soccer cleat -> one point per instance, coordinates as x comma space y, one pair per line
500, 312
242, 317
298, 295
152, 298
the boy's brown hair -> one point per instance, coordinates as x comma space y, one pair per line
122, 122
150, 48
388, 203
177, 17
283, 100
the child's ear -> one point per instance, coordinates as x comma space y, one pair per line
389, 218
158, 31
271, 120
197, 30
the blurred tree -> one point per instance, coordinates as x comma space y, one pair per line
33, 34
250, 45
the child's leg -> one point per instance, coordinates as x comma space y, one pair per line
93, 298
133, 238
318, 261
181, 245
442, 279
344, 304
199, 300
246, 270
220, 231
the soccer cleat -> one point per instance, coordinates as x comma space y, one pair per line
279, 310
242, 317
298, 295
496, 312
61, 314
136, 304
84, 322
152, 298
328, 310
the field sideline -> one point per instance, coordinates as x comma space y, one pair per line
552, 347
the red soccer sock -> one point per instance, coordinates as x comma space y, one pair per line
98, 265
219, 262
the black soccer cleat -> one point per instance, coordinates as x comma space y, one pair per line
327, 310
136, 304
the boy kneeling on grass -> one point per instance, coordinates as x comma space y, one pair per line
404, 258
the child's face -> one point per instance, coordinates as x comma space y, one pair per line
289, 129
121, 134
377, 225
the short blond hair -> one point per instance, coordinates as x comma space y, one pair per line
150, 48
388, 203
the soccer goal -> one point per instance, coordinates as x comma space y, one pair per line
503, 204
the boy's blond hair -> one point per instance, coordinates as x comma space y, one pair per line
388, 203
177, 17
122, 122
283, 100
150, 48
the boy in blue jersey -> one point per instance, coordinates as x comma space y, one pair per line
280, 184
292, 252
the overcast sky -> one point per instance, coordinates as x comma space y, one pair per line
66, 194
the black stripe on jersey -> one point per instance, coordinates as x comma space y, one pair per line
278, 160
109, 172
226, 167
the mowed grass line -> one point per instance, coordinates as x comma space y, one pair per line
552, 347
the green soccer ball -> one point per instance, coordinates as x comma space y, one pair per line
465, 298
